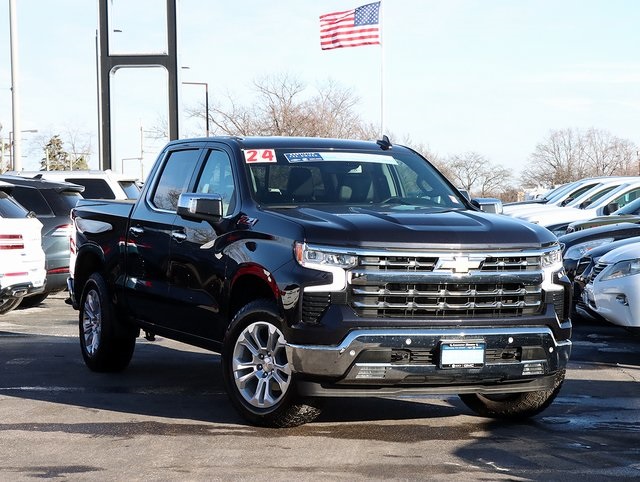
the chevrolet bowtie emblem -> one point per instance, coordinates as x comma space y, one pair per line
461, 264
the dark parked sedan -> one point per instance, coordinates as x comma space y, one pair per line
575, 245
51, 202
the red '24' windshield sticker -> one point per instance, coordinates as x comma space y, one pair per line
259, 155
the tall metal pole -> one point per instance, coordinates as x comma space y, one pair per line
16, 145
206, 102
110, 63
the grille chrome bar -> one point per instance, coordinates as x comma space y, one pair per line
450, 293
471, 305
363, 277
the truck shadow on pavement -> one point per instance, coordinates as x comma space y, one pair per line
160, 382
175, 384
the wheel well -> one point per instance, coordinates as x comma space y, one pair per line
246, 289
86, 264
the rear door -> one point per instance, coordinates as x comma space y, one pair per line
148, 239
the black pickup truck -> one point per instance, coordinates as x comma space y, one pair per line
324, 267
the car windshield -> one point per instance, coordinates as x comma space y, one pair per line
557, 193
289, 177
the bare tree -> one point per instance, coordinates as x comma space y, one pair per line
476, 174
607, 155
63, 155
558, 159
426, 151
569, 154
78, 146
285, 106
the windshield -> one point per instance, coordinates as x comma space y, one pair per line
286, 177
557, 193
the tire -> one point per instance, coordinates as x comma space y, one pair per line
8, 304
257, 373
35, 300
106, 344
513, 406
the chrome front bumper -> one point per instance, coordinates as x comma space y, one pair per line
413, 358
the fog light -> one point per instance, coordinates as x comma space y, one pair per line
622, 299
533, 369
370, 372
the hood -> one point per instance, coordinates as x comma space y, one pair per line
415, 227
630, 251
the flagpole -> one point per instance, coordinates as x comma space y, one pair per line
382, 125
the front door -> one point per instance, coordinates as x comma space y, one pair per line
149, 237
197, 270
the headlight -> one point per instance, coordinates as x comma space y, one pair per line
551, 258
621, 269
317, 258
577, 251
325, 259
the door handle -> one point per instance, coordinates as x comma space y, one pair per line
179, 236
136, 230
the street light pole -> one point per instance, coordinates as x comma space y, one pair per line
12, 159
16, 145
206, 102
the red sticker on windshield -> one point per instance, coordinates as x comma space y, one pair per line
259, 155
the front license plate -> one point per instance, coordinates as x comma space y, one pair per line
461, 354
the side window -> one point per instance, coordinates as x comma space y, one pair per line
9, 207
627, 197
94, 188
32, 199
174, 178
217, 177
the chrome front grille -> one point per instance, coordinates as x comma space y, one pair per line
446, 285
405, 263
582, 265
597, 269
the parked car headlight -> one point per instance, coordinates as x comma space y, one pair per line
577, 251
621, 269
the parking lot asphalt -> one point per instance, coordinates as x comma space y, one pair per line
167, 418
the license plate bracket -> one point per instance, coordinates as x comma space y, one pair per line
462, 354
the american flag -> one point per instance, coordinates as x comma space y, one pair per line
351, 28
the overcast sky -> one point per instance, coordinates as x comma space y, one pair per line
489, 76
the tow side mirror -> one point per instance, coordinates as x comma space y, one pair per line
199, 206
488, 204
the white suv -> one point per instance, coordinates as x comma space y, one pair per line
22, 269
97, 184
